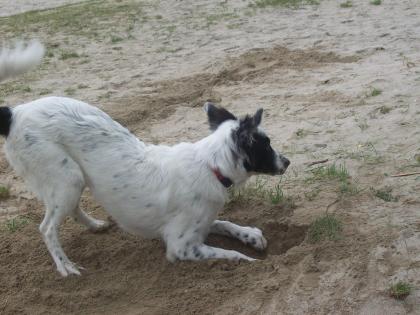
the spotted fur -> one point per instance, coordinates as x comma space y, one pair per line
61, 145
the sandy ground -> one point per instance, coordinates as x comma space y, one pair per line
151, 65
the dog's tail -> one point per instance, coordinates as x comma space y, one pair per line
5, 120
21, 58
15, 61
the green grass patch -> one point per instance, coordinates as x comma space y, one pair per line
347, 4
10, 88
15, 224
330, 172
44, 92
385, 194
282, 3
400, 290
276, 195
300, 133
327, 227
70, 91
88, 19
116, 39
376, 2
259, 190
349, 189
4, 192
375, 92
68, 55
384, 109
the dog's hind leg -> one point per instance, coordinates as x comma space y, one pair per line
92, 224
248, 235
49, 229
60, 190
64, 199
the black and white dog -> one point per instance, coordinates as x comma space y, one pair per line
61, 145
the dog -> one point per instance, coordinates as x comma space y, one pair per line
61, 145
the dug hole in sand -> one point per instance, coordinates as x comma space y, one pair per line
338, 83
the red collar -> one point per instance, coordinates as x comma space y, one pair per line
225, 181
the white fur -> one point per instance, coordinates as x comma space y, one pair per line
60, 146
21, 58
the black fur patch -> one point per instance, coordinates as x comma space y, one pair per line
5, 120
217, 116
260, 156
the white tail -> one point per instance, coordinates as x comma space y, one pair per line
21, 58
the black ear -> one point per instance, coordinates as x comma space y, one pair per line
250, 123
257, 117
217, 115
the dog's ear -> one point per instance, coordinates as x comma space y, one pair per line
217, 115
249, 123
257, 117
247, 126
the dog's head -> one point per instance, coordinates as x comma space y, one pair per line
252, 145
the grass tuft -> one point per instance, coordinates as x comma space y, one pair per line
116, 39
376, 2
333, 171
44, 92
10, 88
325, 227
385, 109
385, 194
259, 190
4, 192
15, 224
87, 19
68, 55
400, 290
347, 4
70, 91
375, 92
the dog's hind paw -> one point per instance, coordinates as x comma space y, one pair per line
68, 268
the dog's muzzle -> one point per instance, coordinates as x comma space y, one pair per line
283, 163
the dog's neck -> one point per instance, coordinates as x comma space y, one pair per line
225, 181
218, 152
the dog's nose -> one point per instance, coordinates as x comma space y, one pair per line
286, 162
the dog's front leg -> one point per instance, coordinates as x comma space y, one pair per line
248, 235
194, 251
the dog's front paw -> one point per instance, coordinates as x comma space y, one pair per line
253, 237
98, 226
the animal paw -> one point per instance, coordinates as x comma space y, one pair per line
253, 237
68, 268
99, 226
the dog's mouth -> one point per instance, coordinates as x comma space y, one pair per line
279, 172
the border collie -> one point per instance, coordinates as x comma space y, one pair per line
61, 145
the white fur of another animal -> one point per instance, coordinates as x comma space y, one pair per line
21, 58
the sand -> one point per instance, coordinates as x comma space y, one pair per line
314, 70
